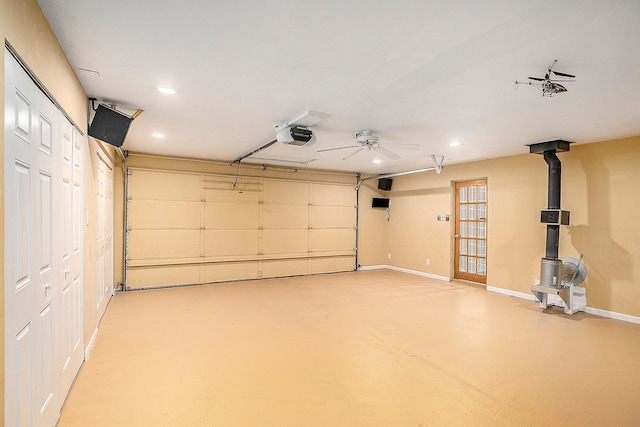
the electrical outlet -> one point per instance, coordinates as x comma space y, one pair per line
428, 262
389, 255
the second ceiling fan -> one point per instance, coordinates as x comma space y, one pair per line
367, 140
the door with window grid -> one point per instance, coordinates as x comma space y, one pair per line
471, 231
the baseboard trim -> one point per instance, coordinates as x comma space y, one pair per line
530, 297
613, 315
90, 345
511, 293
590, 310
406, 270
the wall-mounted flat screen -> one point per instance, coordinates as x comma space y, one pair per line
380, 203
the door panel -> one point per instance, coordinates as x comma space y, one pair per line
22, 218
45, 242
23, 378
47, 358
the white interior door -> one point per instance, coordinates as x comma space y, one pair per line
105, 235
41, 279
71, 294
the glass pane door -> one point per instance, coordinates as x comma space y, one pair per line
470, 261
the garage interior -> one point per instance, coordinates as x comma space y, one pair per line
332, 220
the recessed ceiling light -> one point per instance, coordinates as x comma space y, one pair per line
454, 144
377, 161
157, 135
166, 90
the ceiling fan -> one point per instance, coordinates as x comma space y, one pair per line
547, 85
367, 140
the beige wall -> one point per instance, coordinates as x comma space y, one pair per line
23, 25
599, 186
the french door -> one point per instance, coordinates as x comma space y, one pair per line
471, 231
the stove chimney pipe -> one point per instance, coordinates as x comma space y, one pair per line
554, 184
550, 272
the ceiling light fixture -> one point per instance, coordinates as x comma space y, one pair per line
377, 161
166, 90
157, 135
454, 144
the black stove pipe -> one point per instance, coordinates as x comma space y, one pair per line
553, 231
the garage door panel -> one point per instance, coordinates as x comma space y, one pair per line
285, 216
290, 242
332, 240
163, 244
163, 275
330, 265
230, 243
161, 185
332, 216
289, 267
225, 192
156, 214
223, 272
231, 215
286, 192
333, 195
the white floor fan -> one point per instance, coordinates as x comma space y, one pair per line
367, 140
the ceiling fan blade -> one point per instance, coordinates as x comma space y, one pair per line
558, 73
401, 146
387, 153
338, 148
536, 78
353, 154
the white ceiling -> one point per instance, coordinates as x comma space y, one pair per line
414, 71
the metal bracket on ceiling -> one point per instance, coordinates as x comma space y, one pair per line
437, 163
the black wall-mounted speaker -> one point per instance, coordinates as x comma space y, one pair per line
379, 203
385, 184
110, 126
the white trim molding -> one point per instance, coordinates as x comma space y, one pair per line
590, 310
406, 270
509, 292
613, 315
90, 344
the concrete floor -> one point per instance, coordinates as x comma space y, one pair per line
372, 348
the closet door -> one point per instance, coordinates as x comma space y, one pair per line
43, 269
104, 206
71, 243
31, 278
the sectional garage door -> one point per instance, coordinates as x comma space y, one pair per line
190, 228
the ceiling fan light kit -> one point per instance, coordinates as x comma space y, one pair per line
367, 140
